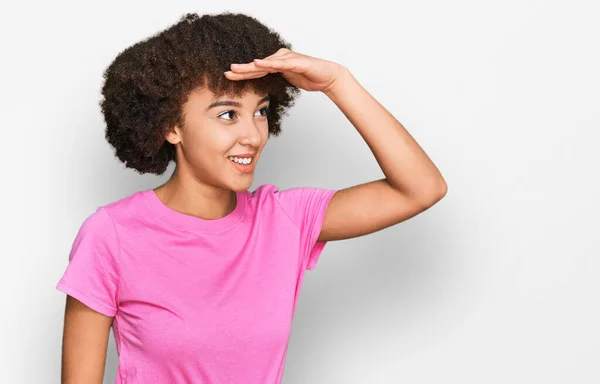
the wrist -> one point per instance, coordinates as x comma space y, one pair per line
342, 77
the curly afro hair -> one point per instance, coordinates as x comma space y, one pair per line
147, 84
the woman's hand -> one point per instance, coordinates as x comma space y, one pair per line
302, 71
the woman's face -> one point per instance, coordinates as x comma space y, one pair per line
217, 129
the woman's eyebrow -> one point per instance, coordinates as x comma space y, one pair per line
235, 103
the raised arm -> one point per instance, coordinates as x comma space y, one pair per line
412, 182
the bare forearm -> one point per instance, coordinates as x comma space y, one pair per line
404, 163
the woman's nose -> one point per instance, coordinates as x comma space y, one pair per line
252, 135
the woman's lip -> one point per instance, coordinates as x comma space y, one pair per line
244, 156
243, 168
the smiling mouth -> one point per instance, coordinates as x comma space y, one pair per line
246, 165
242, 160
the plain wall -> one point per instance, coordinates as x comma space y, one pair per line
497, 283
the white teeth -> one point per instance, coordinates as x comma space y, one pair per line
241, 160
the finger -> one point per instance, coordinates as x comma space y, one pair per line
282, 52
280, 65
261, 72
248, 67
244, 76
243, 68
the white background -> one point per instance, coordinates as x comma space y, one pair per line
497, 283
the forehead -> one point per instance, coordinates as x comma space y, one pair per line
205, 96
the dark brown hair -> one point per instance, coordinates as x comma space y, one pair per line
147, 84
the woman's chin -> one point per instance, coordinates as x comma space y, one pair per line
242, 183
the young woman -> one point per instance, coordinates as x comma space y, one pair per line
199, 277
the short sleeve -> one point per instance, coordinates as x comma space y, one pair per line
91, 275
306, 206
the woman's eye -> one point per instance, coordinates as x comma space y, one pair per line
266, 109
233, 113
228, 112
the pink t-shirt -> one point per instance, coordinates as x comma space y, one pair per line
193, 300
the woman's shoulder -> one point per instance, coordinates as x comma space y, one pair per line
118, 209
264, 190
125, 201
272, 193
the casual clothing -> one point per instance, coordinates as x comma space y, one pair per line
195, 300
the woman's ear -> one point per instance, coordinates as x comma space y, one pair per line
173, 136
